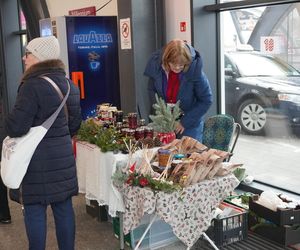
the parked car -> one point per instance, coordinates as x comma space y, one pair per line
259, 87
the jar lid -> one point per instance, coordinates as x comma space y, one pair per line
163, 151
179, 156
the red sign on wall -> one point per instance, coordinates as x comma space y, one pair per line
182, 26
88, 11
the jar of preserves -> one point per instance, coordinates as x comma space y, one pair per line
142, 122
132, 120
163, 157
125, 123
124, 131
118, 116
139, 133
149, 132
119, 127
130, 132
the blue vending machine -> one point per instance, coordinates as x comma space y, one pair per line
89, 49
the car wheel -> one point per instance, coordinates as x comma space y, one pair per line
252, 117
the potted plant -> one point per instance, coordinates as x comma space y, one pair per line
165, 119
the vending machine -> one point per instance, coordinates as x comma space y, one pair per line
89, 49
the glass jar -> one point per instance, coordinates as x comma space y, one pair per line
118, 116
142, 122
163, 157
130, 132
139, 133
149, 132
125, 123
124, 131
119, 127
132, 120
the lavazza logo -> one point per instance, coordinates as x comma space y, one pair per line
92, 37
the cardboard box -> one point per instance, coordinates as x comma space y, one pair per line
280, 217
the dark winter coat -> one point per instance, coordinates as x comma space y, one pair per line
194, 91
51, 175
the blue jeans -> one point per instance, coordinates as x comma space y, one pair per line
36, 225
196, 133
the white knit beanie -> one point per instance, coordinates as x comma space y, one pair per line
44, 48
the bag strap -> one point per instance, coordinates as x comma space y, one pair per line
58, 91
48, 123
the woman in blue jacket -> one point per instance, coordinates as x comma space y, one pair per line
175, 73
51, 178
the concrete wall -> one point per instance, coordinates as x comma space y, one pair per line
178, 12
205, 40
146, 29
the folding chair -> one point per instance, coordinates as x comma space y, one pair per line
221, 132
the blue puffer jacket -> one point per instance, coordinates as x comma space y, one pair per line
51, 175
194, 92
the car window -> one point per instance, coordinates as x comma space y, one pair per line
228, 64
250, 64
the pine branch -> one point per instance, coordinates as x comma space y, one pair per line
164, 119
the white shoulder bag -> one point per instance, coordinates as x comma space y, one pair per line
17, 152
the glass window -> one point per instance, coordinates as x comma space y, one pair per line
252, 64
262, 90
288, 30
23, 37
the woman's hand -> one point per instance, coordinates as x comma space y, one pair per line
179, 128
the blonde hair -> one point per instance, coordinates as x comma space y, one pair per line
176, 52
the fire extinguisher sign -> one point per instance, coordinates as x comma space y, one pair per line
271, 44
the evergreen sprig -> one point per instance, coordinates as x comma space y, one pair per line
165, 117
88, 131
135, 179
107, 139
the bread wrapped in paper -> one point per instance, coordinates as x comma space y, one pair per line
215, 169
199, 168
177, 172
187, 176
209, 164
227, 168
223, 154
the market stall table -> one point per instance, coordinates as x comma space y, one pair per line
189, 212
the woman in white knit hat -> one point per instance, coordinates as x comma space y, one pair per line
51, 177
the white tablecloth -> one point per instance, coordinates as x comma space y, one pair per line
94, 170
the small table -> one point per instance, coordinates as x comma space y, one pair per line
189, 212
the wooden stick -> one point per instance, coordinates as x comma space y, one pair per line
164, 174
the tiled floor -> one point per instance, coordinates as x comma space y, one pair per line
90, 234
